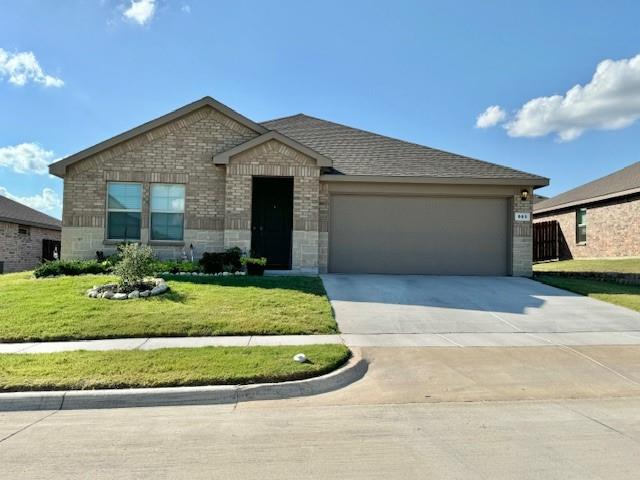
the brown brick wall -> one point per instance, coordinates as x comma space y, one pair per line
613, 230
22, 252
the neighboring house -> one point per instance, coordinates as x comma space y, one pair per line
308, 194
26, 236
598, 219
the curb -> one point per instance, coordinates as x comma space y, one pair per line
355, 368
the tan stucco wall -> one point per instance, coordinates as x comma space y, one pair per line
22, 252
613, 230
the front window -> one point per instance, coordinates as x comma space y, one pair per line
124, 210
581, 225
167, 212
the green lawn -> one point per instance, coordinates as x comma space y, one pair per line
623, 295
622, 265
83, 370
57, 309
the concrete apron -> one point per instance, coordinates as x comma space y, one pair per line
352, 371
481, 374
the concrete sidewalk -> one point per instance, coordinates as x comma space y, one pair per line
488, 339
153, 343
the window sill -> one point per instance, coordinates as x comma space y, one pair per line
118, 242
168, 243
581, 244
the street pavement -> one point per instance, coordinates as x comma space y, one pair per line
437, 413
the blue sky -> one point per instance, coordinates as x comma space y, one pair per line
421, 71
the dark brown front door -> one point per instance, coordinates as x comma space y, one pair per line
272, 220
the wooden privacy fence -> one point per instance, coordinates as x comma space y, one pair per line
546, 241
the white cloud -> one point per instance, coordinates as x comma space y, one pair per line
492, 116
140, 11
48, 201
26, 158
610, 101
22, 67
186, 9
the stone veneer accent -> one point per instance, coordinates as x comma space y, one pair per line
275, 159
20, 251
613, 229
522, 239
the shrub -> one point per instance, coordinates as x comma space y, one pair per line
211, 262
262, 261
227, 261
231, 259
173, 266
135, 264
70, 267
255, 265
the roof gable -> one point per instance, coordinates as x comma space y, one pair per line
15, 212
223, 157
58, 168
617, 184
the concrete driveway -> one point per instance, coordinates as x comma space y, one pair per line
415, 310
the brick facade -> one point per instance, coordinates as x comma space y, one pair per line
218, 197
275, 159
21, 251
522, 238
178, 152
612, 229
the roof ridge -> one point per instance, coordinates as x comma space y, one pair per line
405, 141
282, 118
551, 202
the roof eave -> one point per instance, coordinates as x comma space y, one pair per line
59, 168
515, 181
586, 201
30, 223
223, 158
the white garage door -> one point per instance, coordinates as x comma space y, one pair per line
418, 235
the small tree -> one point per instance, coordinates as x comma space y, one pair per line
135, 264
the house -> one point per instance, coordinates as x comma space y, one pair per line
26, 236
308, 194
599, 218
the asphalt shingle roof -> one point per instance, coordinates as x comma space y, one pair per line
618, 182
14, 212
358, 152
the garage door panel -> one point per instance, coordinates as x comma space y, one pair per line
428, 235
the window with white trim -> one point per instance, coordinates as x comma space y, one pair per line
124, 211
581, 225
167, 212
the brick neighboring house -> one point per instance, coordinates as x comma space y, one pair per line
597, 219
308, 194
25, 235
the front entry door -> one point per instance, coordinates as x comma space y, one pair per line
272, 220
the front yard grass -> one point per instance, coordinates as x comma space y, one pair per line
51, 309
624, 295
621, 265
170, 367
